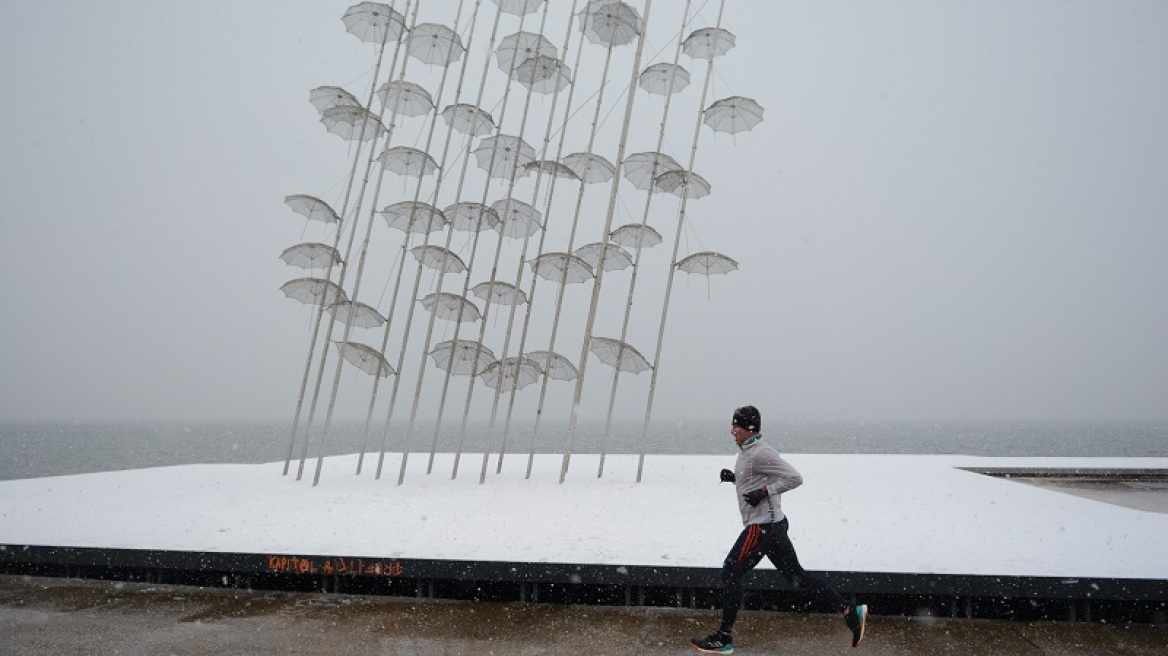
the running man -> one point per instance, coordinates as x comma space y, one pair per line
760, 476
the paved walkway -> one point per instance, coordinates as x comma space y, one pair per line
68, 616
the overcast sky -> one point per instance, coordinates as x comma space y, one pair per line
952, 210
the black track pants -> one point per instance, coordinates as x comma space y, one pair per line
770, 540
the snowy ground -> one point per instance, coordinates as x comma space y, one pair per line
874, 513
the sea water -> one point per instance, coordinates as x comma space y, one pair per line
29, 450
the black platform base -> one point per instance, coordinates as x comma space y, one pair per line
922, 595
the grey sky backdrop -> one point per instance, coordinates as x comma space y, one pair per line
953, 210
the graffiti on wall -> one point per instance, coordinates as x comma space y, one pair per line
329, 566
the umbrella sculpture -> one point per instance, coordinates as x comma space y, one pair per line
517, 218
451, 307
663, 79
642, 169
562, 267
615, 257
435, 44
708, 42
552, 167
462, 357
533, 61
554, 365
707, 263
374, 22
414, 217
543, 74
313, 291
357, 314
589, 167
407, 98
439, 258
312, 208
683, 184
635, 235
503, 156
370, 22
365, 358
616, 353
471, 217
734, 114
518, 7
326, 97
517, 48
610, 23
511, 373
311, 255
352, 123
404, 160
499, 292
468, 119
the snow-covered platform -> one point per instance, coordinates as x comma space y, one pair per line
922, 525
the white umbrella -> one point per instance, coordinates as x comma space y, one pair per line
352, 123
511, 373
635, 235
435, 44
462, 357
708, 42
471, 217
374, 22
311, 255
518, 7
610, 23
499, 292
663, 79
616, 353
615, 257
589, 167
439, 258
323, 98
468, 119
414, 217
356, 313
552, 167
554, 365
313, 291
707, 263
733, 114
406, 98
543, 74
312, 208
683, 184
517, 218
503, 156
642, 169
517, 48
451, 307
404, 160
561, 267
365, 358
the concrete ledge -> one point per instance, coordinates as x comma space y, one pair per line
915, 594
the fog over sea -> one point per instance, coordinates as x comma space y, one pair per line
29, 450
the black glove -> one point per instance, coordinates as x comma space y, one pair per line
755, 497
727, 476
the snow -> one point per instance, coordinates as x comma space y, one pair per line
871, 513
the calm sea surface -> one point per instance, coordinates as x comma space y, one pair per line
47, 449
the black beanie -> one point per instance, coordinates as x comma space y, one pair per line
747, 417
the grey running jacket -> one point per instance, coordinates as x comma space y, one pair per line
759, 465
